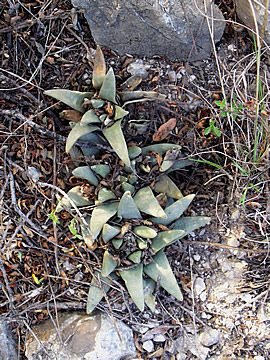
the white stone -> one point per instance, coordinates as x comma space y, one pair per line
209, 337
203, 296
148, 346
199, 286
159, 338
232, 241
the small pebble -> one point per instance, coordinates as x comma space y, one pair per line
146, 315
85, 76
203, 296
172, 76
232, 241
247, 298
232, 48
147, 336
33, 173
202, 232
148, 346
196, 257
143, 329
199, 286
192, 78
159, 338
209, 337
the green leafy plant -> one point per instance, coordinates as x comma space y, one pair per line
212, 128
222, 106
37, 280
235, 110
101, 111
72, 228
129, 226
55, 218
134, 209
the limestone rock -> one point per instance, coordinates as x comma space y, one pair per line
82, 337
174, 29
185, 344
8, 347
245, 14
209, 337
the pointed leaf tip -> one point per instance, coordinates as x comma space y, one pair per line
99, 69
147, 203
160, 269
115, 137
108, 88
134, 283
74, 99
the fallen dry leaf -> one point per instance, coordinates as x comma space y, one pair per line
164, 130
71, 115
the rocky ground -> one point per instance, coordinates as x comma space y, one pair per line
223, 269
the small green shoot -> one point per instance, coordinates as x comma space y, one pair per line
243, 171
209, 163
73, 230
222, 106
55, 219
235, 110
243, 197
19, 255
37, 280
212, 128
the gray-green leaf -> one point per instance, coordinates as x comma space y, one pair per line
115, 137
165, 238
100, 215
108, 264
160, 269
108, 89
74, 99
84, 172
78, 131
89, 117
109, 232
78, 198
99, 286
127, 208
175, 210
134, 284
167, 186
190, 223
147, 203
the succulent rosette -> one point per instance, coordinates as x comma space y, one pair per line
133, 209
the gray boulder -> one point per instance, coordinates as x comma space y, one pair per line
8, 346
176, 29
245, 14
79, 337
